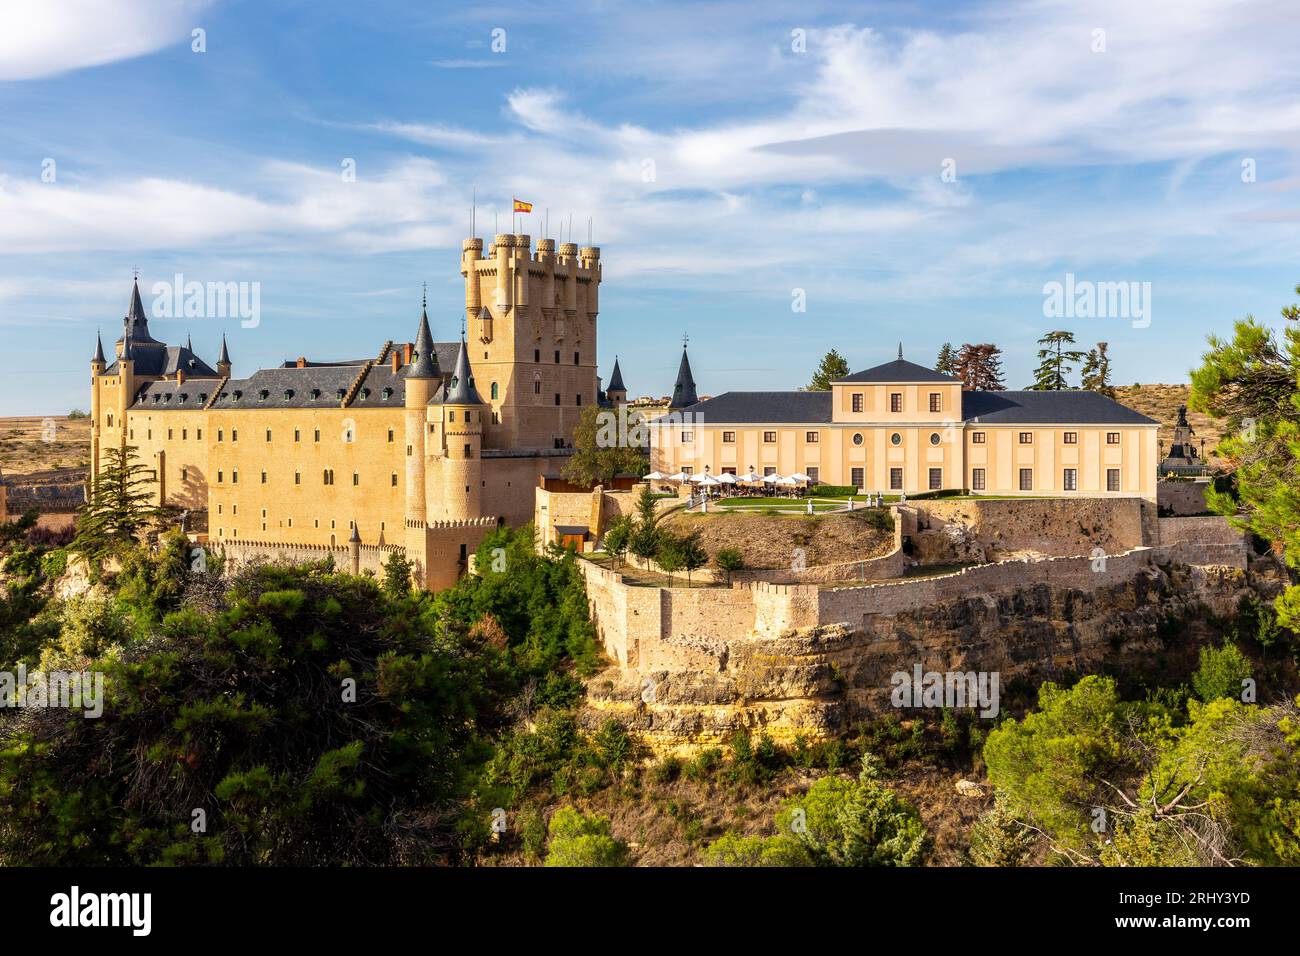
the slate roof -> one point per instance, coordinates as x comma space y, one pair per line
616, 379
189, 396
899, 370
758, 407
158, 359
300, 382
1069, 407
684, 389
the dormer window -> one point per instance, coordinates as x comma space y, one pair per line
203, 396
387, 394
340, 393
262, 395
184, 397
157, 397
315, 393
167, 397
365, 393
288, 394
238, 394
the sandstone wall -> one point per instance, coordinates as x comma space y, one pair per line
973, 529
243, 552
1182, 497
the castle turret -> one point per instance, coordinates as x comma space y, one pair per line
684, 390
616, 393
422, 377
223, 360
460, 430
97, 366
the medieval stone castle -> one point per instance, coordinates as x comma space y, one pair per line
424, 447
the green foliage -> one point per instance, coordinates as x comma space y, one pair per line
1056, 362
731, 849
646, 536
998, 839
1221, 672
398, 571
946, 362
618, 537
1095, 374
120, 509
831, 368
729, 560
602, 451
979, 366
577, 839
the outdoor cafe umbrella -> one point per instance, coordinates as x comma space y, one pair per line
772, 479
708, 481
654, 476
726, 478
680, 476
750, 476
800, 478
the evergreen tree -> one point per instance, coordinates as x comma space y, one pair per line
980, 367
1094, 376
120, 508
618, 536
603, 449
645, 538
947, 360
832, 367
694, 556
1056, 362
397, 575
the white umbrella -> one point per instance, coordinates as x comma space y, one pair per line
697, 478
680, 476
786, 482
771, 479
727, 478
709, 481
800, 477
750, 476
654, 476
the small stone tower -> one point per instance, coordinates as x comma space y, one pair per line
422, 378
684, 390
459, 430
616, 392
223, 360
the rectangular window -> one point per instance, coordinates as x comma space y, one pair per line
896, 402
1112, 479
234, 434
469, 452
394, 479
185, 433
575, 358
316, 436
390, 436
169, 434
769, 437
936, 401
268, 434
356, 478
977, 479
220, 435
977, 438
1026, 479
537, 355
688, 436
577, 399
728, 471
1070, 481
263, 477
297, 477
198, 433
896, 479
814, 475
812, 437
234, 477
728, 438
936, 479
1112, 438
557, 356
185, 474
1072, 438
297, 435
557, 398
856, 478
1026, 438
857, 401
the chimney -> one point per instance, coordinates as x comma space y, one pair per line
397, 360
302, 361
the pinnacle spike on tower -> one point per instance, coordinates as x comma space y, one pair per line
900, 351
425, 363
684, 390
224, 357
461, 390
99, 349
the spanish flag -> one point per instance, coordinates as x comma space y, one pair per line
521, 206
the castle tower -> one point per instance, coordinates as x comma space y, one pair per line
223, 360
422, 378
531, 320
460, 413
616, 392
97, 366
684, 389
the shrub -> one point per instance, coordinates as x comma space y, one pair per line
1221, 672
577, 839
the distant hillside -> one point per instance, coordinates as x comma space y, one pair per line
1161, 403
43, 443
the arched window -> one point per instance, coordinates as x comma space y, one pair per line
494, 391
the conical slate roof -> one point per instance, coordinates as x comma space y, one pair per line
224, 357
425, 364
136, 323
461, 390
616, 379
684, 391
99, 349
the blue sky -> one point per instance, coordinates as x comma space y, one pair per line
723, 169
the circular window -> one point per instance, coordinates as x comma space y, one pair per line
896, 439
857, 438
934, 439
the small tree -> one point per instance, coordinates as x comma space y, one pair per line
694, 556
672, 555
980, 367
1221, 671
946, 363
577, 839
120, 508
644, 540
603, 450
397, 575
618, 537
1095, 373
729, 560
832, 367
1056, 362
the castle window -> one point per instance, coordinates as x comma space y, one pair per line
365, 393
895, 401
149, 434
1112, 479
812, 437
1112, 438
557, 356
537, 386
169, 434
769, 437
110, 419
393, 479
577, 399
936, 479
238, 394
728, 438
234, 509
977, 479
327, 476
263, 477
1026, 438
185, 433
496, 418
198, 434
390, 436
288, 394
857, 401
263, 394
220, 479
451, 415
469, 453
218, 509
268, 434
290, 522
494, 391
1026, 479
203, 397
156, 397
688, 436
356, 479
315, 393
936, 402
184, 397
316, 437
234, 476
340, 393
1070, 481
557, 398
977, 438
297, 477
537, 355
234, 434
575, 358
297, 435
185, 474
387, 393
896, 479
1071, 438
856, 478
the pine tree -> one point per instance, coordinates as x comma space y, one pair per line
1095, 373
121, 507
1056, 362
646, 536
832, 367
397, 575
980, 367
946, 363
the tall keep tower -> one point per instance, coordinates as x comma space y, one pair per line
532, 331
456, 444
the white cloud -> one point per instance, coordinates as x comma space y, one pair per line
46, 37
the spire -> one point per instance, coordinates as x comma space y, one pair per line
355, 537
189, 343
424, 364
900, 351
461, 390
684, 391
99, 349
126, 349
224, 357
615, 379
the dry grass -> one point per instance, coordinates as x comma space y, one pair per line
769, 541
43, 443
1161, 403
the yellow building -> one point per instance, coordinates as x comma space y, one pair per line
427, 445
903, 428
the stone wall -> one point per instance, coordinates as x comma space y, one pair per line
1182, 497
243, 552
